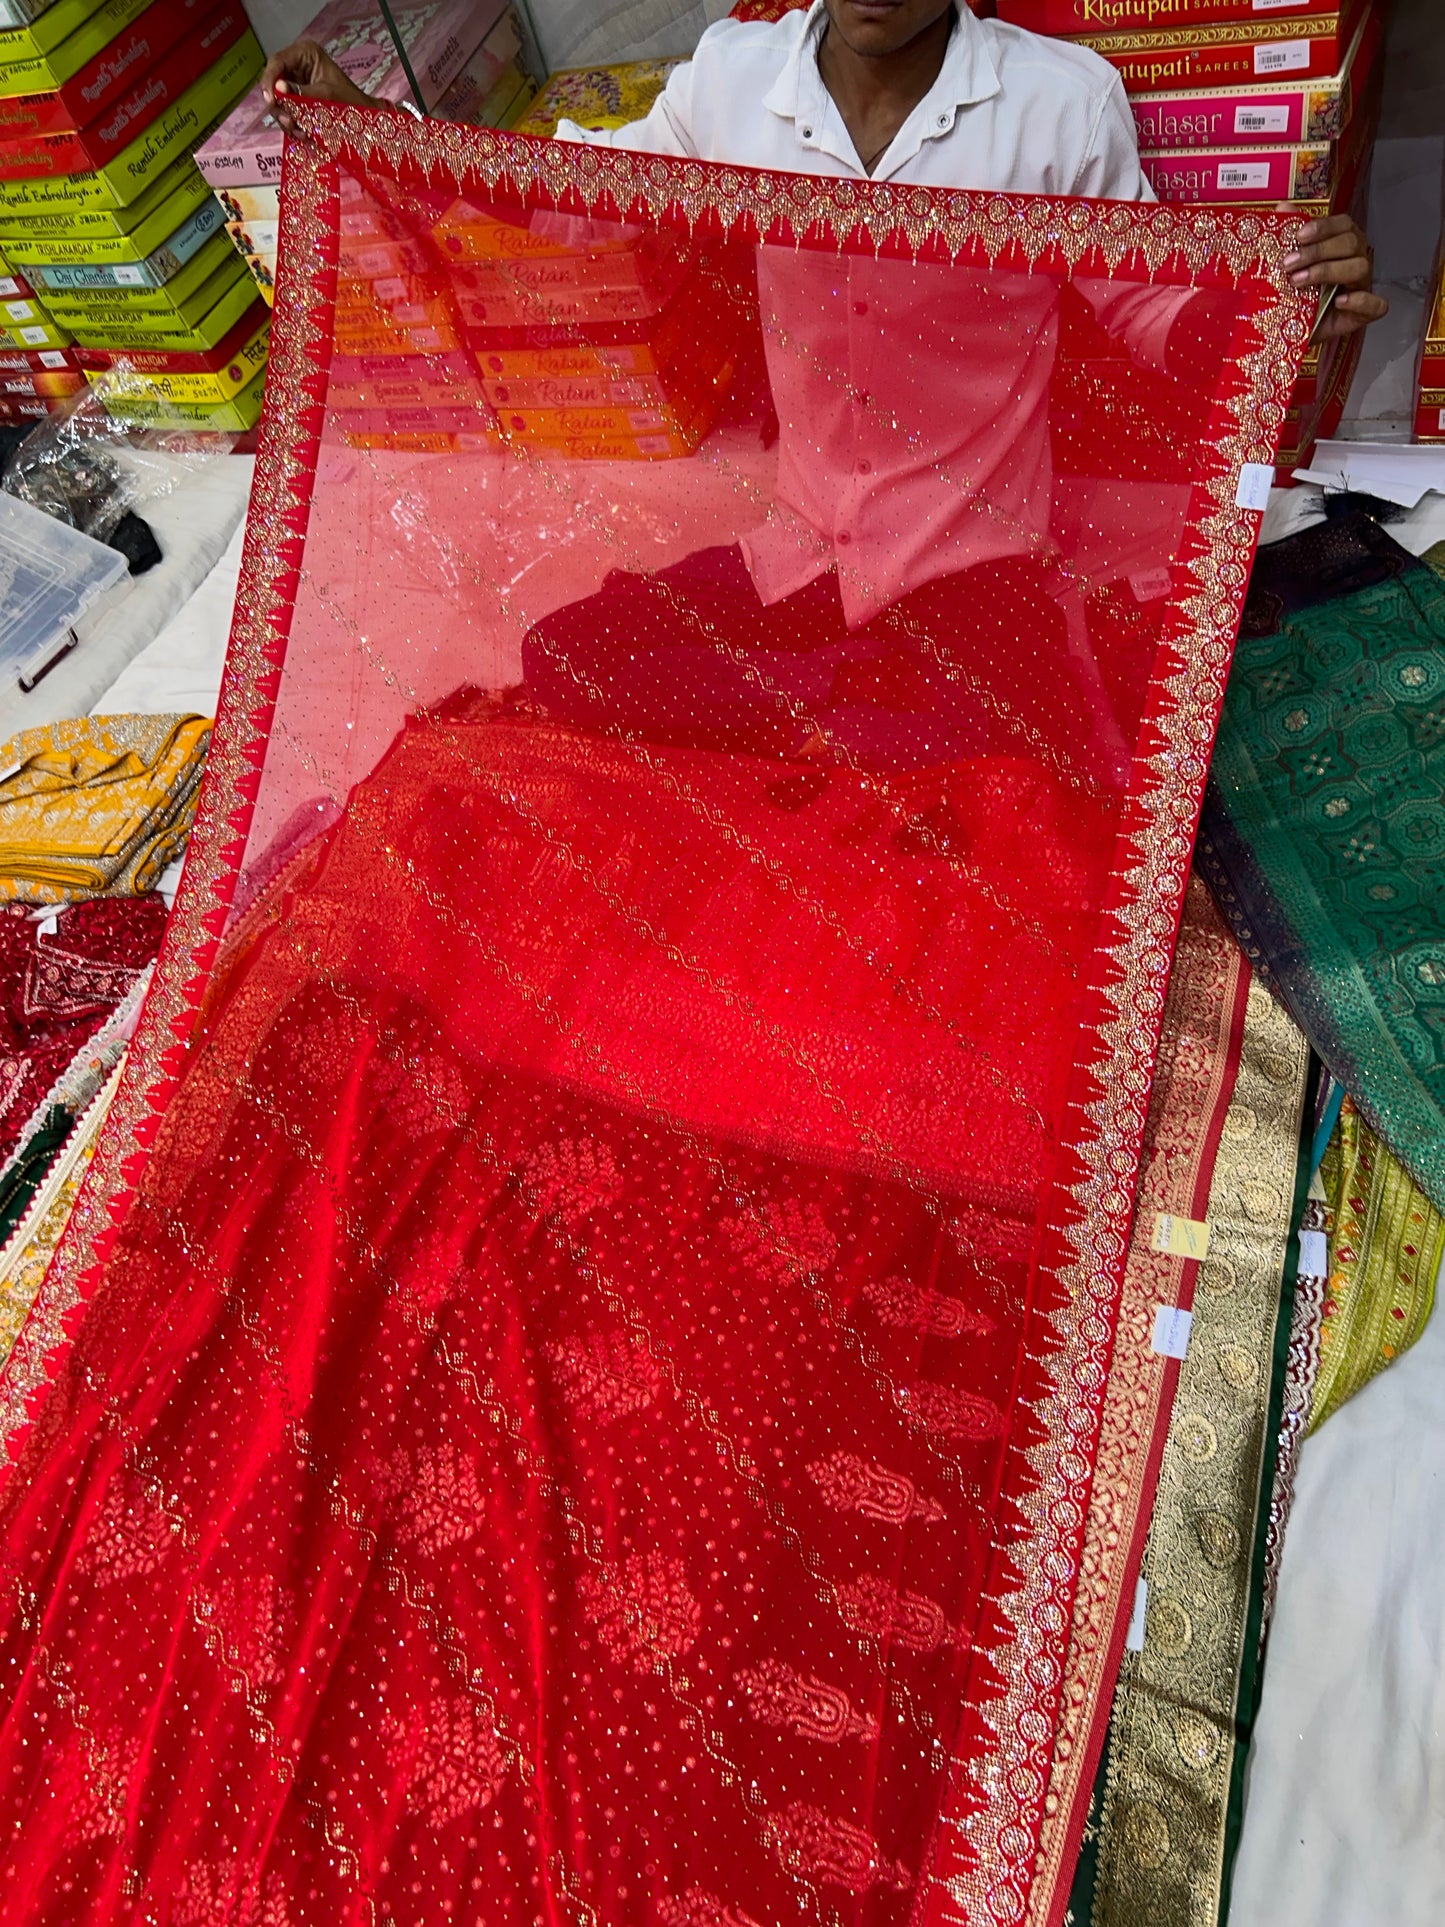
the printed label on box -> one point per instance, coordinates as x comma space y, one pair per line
1261, 120
1289, 57
1243, 175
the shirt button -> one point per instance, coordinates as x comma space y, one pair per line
807, 133
943, 120
860, 307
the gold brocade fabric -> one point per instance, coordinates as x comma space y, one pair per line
1386, 1241
1172, 1735
26, 1257
98, 806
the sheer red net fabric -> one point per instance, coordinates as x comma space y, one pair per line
590, 1407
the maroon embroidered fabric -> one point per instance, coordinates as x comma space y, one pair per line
58, 988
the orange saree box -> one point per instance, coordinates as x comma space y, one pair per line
702, 310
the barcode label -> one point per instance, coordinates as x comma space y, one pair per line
1276, 6
1289, 57
9, 285
1244, 176
32, 337
129, 277
52, 358
20, 310
1261, 120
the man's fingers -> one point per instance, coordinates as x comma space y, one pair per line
1356, 272
1351, 313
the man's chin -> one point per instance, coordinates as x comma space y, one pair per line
873, 27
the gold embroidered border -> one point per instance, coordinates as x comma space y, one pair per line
1171, 1740
984, 1866
1198, 1067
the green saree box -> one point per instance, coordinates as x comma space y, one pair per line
170, 333
188, 294
136, 167
82, 236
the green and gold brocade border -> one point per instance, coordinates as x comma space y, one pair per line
1170, 1784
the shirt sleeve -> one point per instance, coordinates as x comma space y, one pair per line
1110, 170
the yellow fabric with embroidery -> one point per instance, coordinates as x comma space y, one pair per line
1386, 1243
98, 806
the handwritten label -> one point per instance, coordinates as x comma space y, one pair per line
1314, 1254
1256, 479
1134, 1638
1171, 1332
1180, 1237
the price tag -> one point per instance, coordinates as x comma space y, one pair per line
127, 276
52, 358
1134, 1638
1256, 479
1261, 120
1180, 1237
48, 926
1286, 57
1314, 1254
1171, 1332
1277, 6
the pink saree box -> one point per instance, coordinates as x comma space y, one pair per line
1284, 113
440, 37
1243, 173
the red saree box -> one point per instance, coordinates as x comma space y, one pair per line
702, 311
1163, 59
44, 361
98, 144
1429, 424
102, 81
48, 387
1282, 113
1109, 16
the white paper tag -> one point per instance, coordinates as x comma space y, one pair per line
14, 770
1276, 6
32, 337
9, 285
1314, 1254
1134, 1638
52, 358
1151, 585
1261, 120
1287, 57
1180, 1237
22, 311
1256, 479
1171, 1331
48, 925
1243, 177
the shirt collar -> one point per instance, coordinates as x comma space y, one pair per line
967, 75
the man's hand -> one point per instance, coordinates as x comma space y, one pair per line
308, 70
1333, 252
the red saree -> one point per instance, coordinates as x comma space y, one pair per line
575, 1389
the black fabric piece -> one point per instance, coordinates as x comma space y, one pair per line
1331, 559
12, 434
135, 540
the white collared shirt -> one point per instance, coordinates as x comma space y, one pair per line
1009, 113
899, 467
